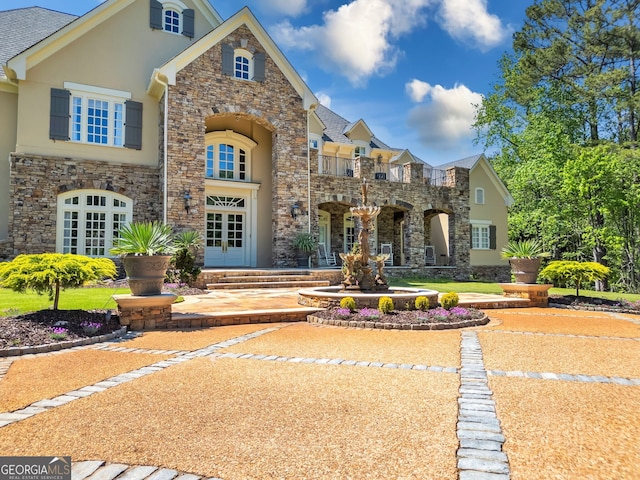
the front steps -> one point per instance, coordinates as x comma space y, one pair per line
252, 279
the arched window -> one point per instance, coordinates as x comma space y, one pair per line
172, 16
89, 220
228, 156
243, 64
480, 196
171, 20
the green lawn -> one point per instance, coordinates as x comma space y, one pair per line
70, 299
441, 285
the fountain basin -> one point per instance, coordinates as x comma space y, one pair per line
327, 297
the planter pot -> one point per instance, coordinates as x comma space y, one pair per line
303, 258
525, 270
146, 273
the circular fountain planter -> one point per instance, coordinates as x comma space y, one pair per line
327, 297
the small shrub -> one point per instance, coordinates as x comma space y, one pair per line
422, 303
348, 302
449, 300
343, 312
385, 305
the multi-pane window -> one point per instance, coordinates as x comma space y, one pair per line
90, 220
97, 120
171, 21
226, 162
242, 67
360, 151
480, 237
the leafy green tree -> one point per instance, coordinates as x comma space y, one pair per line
49, 272
565, 105
566, 272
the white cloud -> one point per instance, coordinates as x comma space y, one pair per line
470, 22
447, 117
324, 99
356, 39
417, 89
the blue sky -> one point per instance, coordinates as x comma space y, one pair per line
412, 69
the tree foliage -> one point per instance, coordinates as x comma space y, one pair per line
564, 120
565, 272
49, 272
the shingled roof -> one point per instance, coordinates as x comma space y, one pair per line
337, 125
23, 27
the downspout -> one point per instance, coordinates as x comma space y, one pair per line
165, 144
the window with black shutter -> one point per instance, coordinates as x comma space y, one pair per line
59, 114
133, 125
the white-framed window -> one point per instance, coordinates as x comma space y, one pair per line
171, 20
242, 64
89, 220
228, 156
480, 196
360, 151
480, 235
313, 143
97, 115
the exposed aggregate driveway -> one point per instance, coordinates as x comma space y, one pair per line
536, 394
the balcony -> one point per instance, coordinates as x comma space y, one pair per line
340, 167
376, 170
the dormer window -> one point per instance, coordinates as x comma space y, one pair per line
172, 16
360, 152
171, 21
241, 63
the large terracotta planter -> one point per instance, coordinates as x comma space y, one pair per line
525, 270
146, 273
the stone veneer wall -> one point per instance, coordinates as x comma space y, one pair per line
492, 273
202, 91
414, 199
36, 181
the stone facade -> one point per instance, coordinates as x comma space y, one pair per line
491, 273
203, 94
36, 181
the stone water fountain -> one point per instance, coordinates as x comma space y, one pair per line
359, 281
358, 274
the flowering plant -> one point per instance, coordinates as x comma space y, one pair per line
343, 312
369, 313
59, 333
90, 328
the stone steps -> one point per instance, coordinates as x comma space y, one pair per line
256, 279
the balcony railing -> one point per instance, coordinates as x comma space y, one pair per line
391, 172
437, 178
341, 167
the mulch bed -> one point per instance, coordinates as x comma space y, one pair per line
36, 328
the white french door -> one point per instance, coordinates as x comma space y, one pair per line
225, 239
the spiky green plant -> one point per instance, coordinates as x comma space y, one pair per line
144, 238
532, 248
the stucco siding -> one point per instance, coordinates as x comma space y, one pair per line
119, 53
8, 114
494, 209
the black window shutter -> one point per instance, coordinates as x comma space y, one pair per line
258, 67
492, 237
133, 125
59, 114
188, 23
227, 59
471, 238
155, 15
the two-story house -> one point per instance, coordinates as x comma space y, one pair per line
160, 109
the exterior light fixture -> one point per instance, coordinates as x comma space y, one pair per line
187, 201
295, 210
